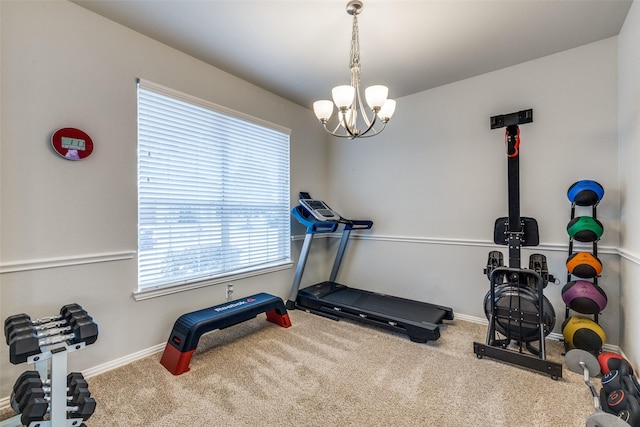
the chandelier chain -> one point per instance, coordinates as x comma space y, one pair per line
355, 45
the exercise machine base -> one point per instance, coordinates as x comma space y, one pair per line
553, 369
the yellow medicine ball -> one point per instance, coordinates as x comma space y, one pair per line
583, 333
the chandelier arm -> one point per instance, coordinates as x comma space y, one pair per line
358, 102
353, 133
370, 127
337, 135
373, 132
335, 131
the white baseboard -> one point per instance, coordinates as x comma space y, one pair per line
105, 367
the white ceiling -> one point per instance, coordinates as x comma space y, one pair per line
299, 49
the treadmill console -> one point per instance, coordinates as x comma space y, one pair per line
319, 210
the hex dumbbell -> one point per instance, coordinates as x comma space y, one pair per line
24, 320
52, 328
37, 409
74, 395
27, 344
71, 376
77, 388
31, 379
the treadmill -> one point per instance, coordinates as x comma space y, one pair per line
419, 320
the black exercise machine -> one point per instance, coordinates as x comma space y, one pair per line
419, 320
515, 305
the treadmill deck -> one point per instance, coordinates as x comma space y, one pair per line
419, 320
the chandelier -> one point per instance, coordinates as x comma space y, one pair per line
353, 120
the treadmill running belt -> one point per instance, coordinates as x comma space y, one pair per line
385, 304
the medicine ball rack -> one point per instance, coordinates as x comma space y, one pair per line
47, 396
583, 296
528, 315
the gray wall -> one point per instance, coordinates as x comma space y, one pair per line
629, 137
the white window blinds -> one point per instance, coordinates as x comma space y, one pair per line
213, 191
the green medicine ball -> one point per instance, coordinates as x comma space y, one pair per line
585, 229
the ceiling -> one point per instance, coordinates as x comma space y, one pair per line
299, 49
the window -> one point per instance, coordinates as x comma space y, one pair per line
213, 193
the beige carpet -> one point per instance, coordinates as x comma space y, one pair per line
325, 373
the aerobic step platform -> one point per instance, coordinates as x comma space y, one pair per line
189, 327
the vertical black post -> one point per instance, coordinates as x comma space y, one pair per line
513, 171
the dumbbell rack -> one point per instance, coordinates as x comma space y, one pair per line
51, 365
594, 251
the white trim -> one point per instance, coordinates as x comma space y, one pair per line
168, 290
122, 361
70, 261
629, 256
554, 247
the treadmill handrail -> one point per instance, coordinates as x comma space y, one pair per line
313, 226
358, 224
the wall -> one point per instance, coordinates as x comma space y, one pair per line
69, 228
629, 139
435, 181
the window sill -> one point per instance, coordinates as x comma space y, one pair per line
155, 292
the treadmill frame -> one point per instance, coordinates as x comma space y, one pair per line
311, 298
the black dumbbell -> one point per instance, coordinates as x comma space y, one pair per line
23, 377
21, 389
630, 417
18, 385
48, 329
36, 410
20, 322
621, 379
83, 409
21, 347
17, 321
618, 400
77, 387
74, 395
611, 381
31, 380
630, 384
631, 414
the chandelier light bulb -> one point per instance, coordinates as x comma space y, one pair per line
343, 96
323, 109
376, 96
387, 110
